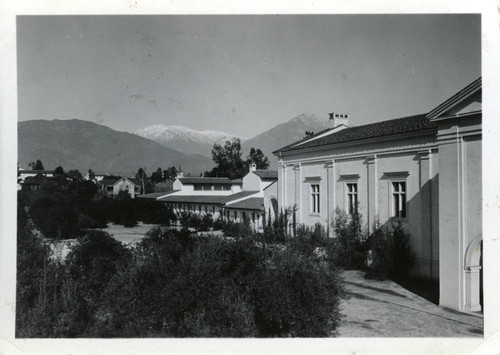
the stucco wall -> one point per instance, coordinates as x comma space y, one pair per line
373, 166
460, 191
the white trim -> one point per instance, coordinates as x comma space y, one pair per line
397, 178
347, 156
312, 200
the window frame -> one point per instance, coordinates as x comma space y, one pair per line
402, 202
315, 199
349, 194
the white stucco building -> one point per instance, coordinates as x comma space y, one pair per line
422, 170
234, 200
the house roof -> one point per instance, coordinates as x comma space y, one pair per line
21, 171
112, 181
36, 180
155, 195
252, 203
267, 174
209, 180
466, 92
372, 130
208, 199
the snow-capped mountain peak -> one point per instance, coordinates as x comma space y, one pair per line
183, 138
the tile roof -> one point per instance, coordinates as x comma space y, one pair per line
252, 203
208, 180
155, 195
209, 199
267, 174
372, 130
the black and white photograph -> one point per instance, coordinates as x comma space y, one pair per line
250, 176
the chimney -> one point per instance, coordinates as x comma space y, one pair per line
337, 119
253, 167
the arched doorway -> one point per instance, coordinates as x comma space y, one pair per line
473, 275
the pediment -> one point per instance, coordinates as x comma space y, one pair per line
466, 101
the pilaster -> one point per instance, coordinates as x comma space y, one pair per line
372, 190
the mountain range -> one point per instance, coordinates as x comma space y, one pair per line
201, 142
83, 145
284, 134
184, 139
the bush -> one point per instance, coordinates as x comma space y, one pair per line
153, 212
54, 216
348, 247
237, 229
219, 223
297, 296
390, 254
175, 284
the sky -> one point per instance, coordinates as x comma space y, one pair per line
241, 74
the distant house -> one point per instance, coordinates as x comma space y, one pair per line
98, 177
234, 200
34, 182
23, 174
112, 186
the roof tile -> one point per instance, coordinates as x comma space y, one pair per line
372, 130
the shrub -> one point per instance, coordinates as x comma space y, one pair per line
237, 229
390, 254
402, 254
207, 222
175, 284
297, 296
219, 223
348, 247
153, 212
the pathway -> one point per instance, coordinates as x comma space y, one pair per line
385, 309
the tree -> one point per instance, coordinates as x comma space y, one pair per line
74, 175
157, 176
59, 174
37, 166
170, 173
91, 175
141, 175
228, 160
258, 158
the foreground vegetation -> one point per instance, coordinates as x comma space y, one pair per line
173, 284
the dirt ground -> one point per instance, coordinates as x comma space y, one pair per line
385, 309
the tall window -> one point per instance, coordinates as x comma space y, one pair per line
315, 198
352, 198
399, 199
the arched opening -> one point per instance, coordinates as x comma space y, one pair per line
473, 275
